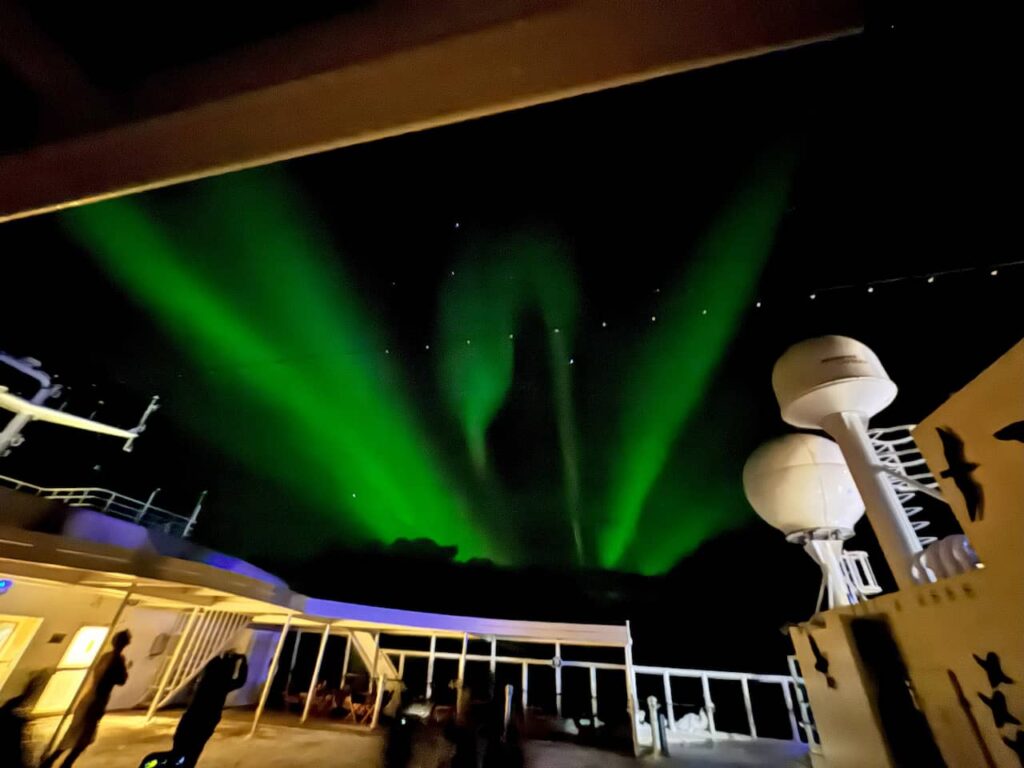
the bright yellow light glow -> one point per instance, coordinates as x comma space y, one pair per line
60, 691
84, 647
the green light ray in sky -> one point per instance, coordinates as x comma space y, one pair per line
673, 368
481, 308
248, 286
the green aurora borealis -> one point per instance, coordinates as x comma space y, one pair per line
245, 280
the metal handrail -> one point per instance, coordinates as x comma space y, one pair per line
111, 503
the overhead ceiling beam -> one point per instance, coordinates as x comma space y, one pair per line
552, 50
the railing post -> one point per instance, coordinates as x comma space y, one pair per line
709, 705
146, 506
401, 666
750, 709
792, 713
669, 706
194, 516
631, 696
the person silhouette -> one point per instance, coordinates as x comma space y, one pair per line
111, 670
13, 717
222, 674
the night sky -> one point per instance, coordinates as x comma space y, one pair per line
543, 339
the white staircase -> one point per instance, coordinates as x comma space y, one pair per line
199, 636
896, 450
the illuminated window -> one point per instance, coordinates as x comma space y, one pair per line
63, 686
84, 647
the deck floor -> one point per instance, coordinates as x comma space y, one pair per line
124, 739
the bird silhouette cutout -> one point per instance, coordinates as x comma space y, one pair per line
821, 662
1016, 744
960, 472
997, 703
993, 668
1014, 431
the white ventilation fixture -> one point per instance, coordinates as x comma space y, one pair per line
837, 384
801, 485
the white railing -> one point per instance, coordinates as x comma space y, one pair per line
114, 504
679, 728
896, 449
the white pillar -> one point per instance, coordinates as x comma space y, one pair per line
593, 692
377, 702
291, 666
348, 656
270, 674
430, 668
316, 672
525, 686
558, 679
889, 521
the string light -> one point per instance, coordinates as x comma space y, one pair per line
931, 279
994, 272
653, 319
871, 289
604, 324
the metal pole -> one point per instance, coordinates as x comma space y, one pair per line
750, 709
348, 655
430, 668
631, 703
377, 702
888, 519
316, 672
460, 690
376, 653
291, 667
709, 705
195, 515
558, 678
462, 657
669, 706
270, 674
401, 666
89, 671
492, 680
175, 655
593, 692
508, 711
